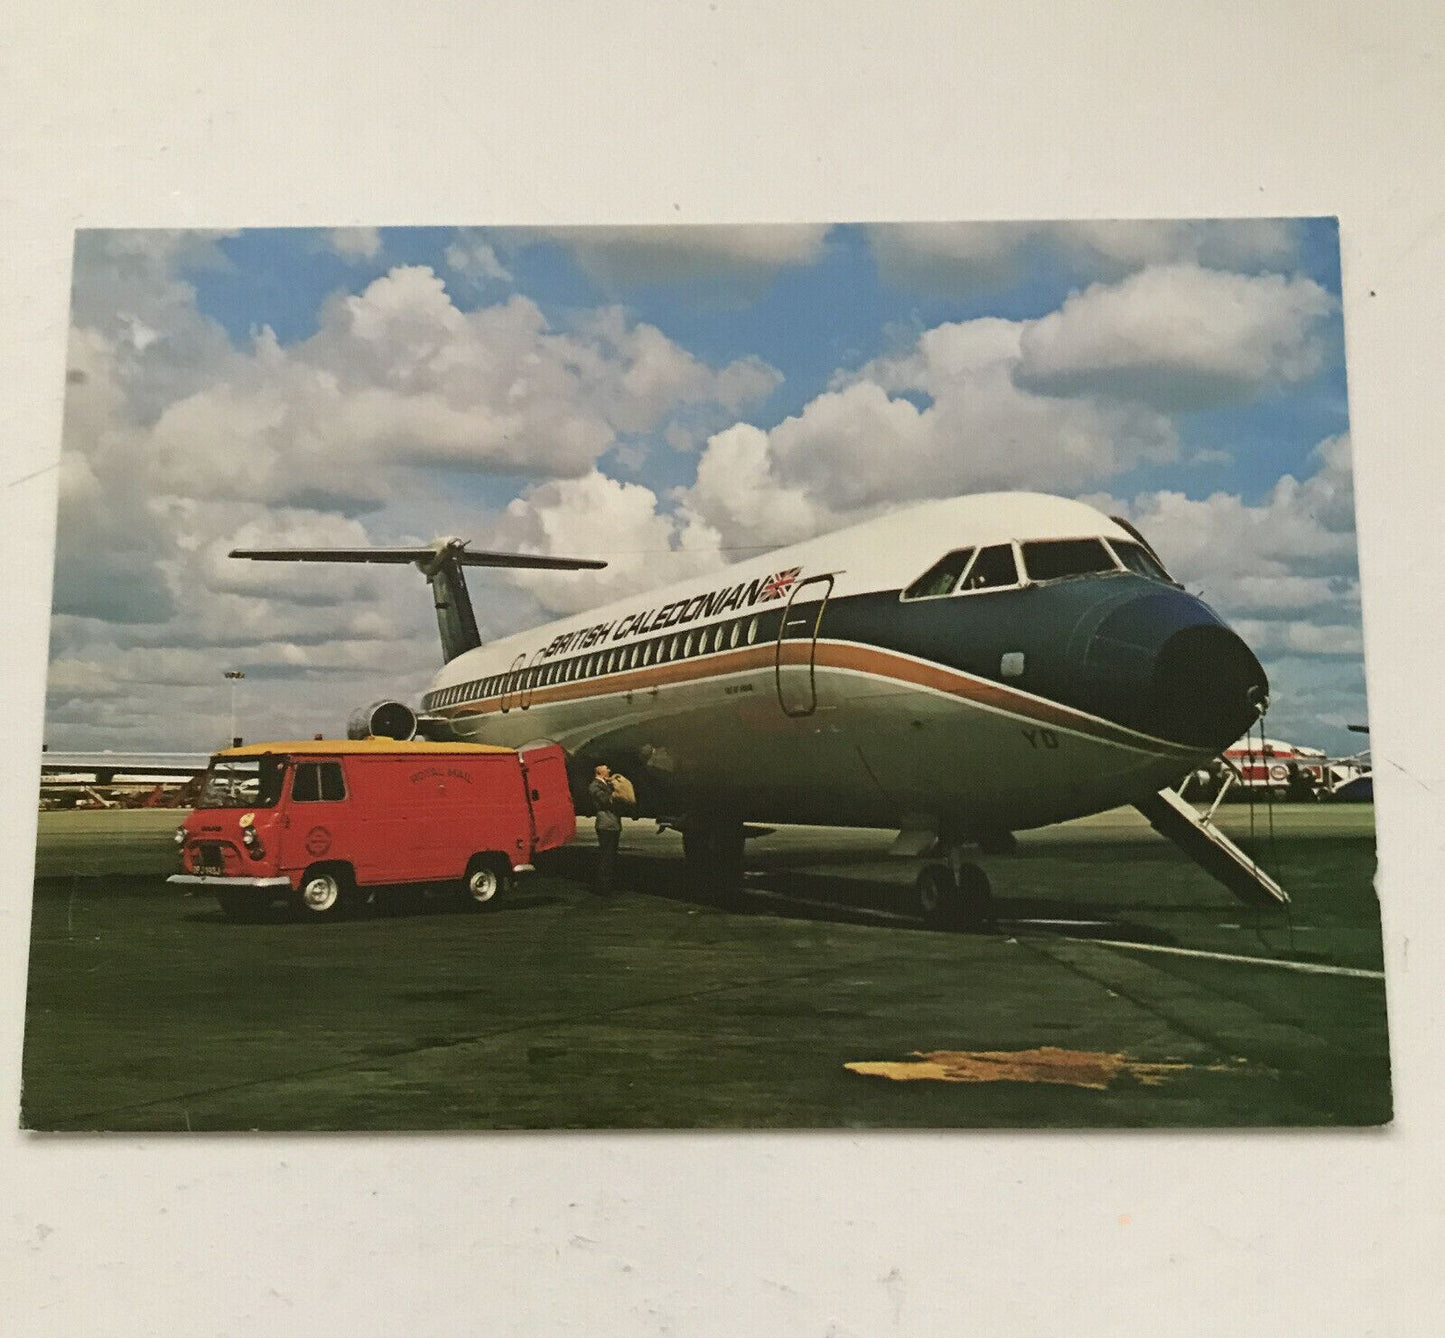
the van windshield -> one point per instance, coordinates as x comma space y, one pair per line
249, 782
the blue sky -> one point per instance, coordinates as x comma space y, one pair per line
808, 321
707, 391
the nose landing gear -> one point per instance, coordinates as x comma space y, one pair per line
956, 895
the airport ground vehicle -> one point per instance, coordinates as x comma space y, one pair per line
323, 823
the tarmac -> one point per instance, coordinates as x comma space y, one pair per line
1122, 989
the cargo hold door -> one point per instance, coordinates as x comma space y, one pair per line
796, 653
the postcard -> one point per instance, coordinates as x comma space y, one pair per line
838, 676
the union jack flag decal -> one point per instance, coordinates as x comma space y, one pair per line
778, 585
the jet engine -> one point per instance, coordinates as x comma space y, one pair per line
382, 720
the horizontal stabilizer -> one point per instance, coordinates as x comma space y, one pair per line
465, 557
441, 562
1176, 820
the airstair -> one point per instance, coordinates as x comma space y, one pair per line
1177, 820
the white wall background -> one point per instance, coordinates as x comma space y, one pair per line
127, 113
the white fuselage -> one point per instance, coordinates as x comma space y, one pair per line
728, 692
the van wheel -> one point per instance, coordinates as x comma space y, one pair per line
323, 893
486, 882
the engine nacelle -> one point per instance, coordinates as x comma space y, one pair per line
382, 720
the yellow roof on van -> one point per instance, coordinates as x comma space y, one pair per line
370, 747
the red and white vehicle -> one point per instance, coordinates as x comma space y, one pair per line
322, 823
1272, 763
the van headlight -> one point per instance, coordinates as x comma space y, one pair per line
180, 836
249, 836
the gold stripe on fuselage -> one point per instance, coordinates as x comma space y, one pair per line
844, 655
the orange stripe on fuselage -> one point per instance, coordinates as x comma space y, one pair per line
850, 656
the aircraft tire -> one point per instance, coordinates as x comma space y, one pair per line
944, 902
935, 896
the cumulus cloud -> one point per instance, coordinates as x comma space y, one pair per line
355, 244
131, 302
866, 443
598, 516
180, 446
475, 261
1178, 337
398, 376
737, 493
1282, 570
989, 255
749, 254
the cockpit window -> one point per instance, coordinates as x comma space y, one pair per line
940, 578
1054, 559
1137, 558
992, 569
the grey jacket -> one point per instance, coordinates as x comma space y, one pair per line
604, 802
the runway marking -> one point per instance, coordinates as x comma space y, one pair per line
867, 912
1310, 968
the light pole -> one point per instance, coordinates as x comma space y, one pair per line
235, 676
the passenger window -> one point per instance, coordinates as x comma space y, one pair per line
733, 637
752, 631
992, 569
687, 645
940, 578
1055, 559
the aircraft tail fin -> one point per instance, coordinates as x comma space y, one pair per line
441, 563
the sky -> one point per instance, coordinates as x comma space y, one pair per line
669, 399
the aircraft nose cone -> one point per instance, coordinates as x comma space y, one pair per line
1167, 665
1208, 686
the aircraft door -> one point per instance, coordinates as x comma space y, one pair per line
798, 689
529, 681
512, 684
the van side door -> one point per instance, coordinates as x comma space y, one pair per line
322, 819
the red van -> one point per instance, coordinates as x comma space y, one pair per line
322, 823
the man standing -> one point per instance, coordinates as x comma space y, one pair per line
609, 828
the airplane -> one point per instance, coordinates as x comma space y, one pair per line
958, 670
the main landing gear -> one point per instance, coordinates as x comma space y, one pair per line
955, 895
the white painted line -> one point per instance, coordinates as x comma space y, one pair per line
1311, 968
866, 911
1073, 924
